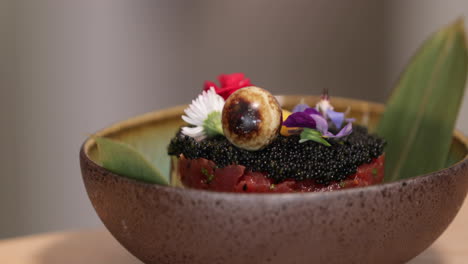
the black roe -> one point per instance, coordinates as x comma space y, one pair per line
286, 158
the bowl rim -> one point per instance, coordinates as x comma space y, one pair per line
169, 113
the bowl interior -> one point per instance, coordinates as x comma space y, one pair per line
152, 132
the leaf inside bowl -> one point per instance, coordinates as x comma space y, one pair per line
123, 159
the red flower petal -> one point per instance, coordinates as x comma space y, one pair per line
208, 84
232, 79
226, 92
229, 84
244, 83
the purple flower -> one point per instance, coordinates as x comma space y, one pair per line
336, 117
302, 119
311, 118
345, 131
322, 127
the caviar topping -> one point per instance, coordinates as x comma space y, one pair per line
286, 158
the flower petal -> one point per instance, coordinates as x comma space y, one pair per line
195, 132
321, 123
336, 117
324, 105
345, 131
229, 83
303, 119
312, 111
207, 104
233, 79
226, 92
300, 108
299, 119
208, 85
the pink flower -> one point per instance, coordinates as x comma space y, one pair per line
229, 84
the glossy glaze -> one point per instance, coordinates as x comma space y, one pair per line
251, 118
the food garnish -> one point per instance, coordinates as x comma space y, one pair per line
251, 118
421, 112
315, 122
204, 114
229, 84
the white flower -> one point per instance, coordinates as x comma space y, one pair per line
324, 106
204, 113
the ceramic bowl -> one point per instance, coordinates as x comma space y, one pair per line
387, 223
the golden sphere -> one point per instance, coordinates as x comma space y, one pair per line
251, 118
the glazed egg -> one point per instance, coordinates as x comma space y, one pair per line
251, 118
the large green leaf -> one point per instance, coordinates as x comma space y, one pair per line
420, 115
151, 142
124, 159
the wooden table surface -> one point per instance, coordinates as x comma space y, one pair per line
98, 246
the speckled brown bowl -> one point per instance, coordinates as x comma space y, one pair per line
388, 223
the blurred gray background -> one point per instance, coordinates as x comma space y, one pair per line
69, 68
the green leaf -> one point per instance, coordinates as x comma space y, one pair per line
314, 135
213, 125
124, 159
420, 115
